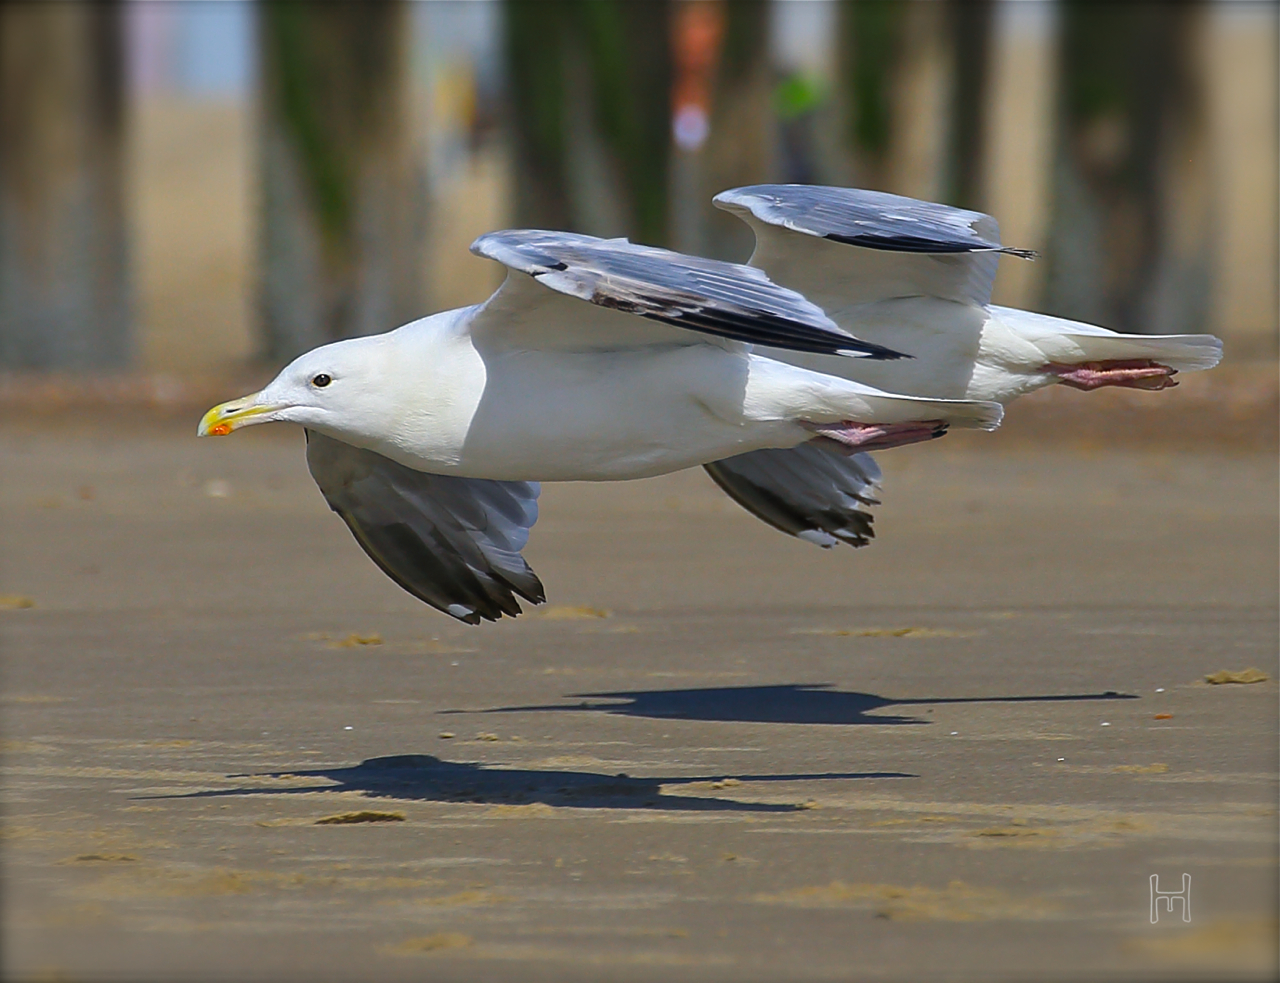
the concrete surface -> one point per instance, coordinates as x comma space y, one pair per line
959, 753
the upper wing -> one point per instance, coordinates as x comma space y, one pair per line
909, 248
815, 492
686, 293
452, 542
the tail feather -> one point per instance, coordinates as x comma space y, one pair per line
962, 414
1071, 342
1186, 353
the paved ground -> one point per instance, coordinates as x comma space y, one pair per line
959, 753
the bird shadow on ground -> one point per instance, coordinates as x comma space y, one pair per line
424, 777
792, 703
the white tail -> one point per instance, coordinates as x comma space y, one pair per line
1071, 342
963, 414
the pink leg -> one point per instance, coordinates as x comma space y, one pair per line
1133, 373
877, 436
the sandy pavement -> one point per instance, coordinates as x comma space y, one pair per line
959, 753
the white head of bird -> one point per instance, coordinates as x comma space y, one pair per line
338, 389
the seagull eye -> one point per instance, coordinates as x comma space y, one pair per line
321, 381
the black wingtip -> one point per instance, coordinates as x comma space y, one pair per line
915, 244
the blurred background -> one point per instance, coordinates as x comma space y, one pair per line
189, 190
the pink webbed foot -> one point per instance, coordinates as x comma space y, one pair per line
1133, 373
877, 436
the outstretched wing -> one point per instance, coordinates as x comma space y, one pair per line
452, 542
550, 272
908, 248
814, 491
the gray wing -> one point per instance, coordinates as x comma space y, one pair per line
812, 491
921, 248
623, 280
452, 542
874, 219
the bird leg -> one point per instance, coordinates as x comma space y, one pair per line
855, 436
1132, 373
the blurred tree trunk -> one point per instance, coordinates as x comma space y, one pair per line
1020, 124
921, 102
589, 88
895, 72
534, 44
912, 81
1129, 242
63, 258
343, 193
971, 23
870, 40
740, 146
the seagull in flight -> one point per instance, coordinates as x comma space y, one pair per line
914, 276
596, 360
917, 276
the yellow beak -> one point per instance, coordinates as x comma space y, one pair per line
232, 415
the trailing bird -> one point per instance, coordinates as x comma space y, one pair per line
914, 276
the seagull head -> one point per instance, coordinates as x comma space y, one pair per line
333, 389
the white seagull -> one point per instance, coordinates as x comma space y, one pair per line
914, 276
596, 360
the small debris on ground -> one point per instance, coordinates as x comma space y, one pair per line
572, 612
434, 943
347, 818
352, 640
12, 602
1250, 675
101, 858
909, 632
1014, 830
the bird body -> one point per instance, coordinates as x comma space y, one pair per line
917, 276
430, 396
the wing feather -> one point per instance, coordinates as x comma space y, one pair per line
814, 491
685, 293
452, 542
908, 247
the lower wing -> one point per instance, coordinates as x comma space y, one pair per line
452, 542
815, 492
